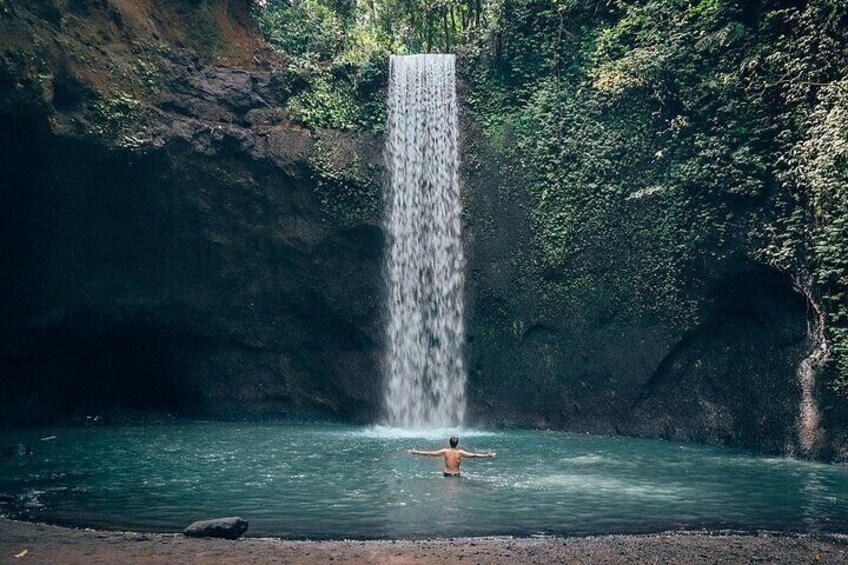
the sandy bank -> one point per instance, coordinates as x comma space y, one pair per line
52, 544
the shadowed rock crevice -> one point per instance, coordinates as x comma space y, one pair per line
97, 369
732, 379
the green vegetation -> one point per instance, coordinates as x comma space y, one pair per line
121, 116
338, 95
338, 50
345, 184
656, 140
333, 30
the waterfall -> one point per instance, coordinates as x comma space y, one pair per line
809, 418
424, 366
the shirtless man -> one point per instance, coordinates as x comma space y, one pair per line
453, 456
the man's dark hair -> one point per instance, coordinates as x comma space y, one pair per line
454, 441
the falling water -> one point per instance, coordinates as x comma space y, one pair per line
425, 373
809, 418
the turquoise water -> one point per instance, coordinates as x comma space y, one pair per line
333, 481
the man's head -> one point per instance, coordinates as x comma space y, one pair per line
454, 441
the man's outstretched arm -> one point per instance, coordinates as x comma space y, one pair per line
438, 453
477, 455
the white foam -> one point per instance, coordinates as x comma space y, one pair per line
591, 459
609, 486
388, 432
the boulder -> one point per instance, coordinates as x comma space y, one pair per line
228, 528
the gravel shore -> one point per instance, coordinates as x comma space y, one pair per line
53, 544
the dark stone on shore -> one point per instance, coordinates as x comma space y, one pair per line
227, 528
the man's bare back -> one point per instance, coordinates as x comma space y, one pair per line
452, 456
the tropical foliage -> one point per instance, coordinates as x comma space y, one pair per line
727, 119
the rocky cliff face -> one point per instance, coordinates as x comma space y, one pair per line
172, 241
593, 359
